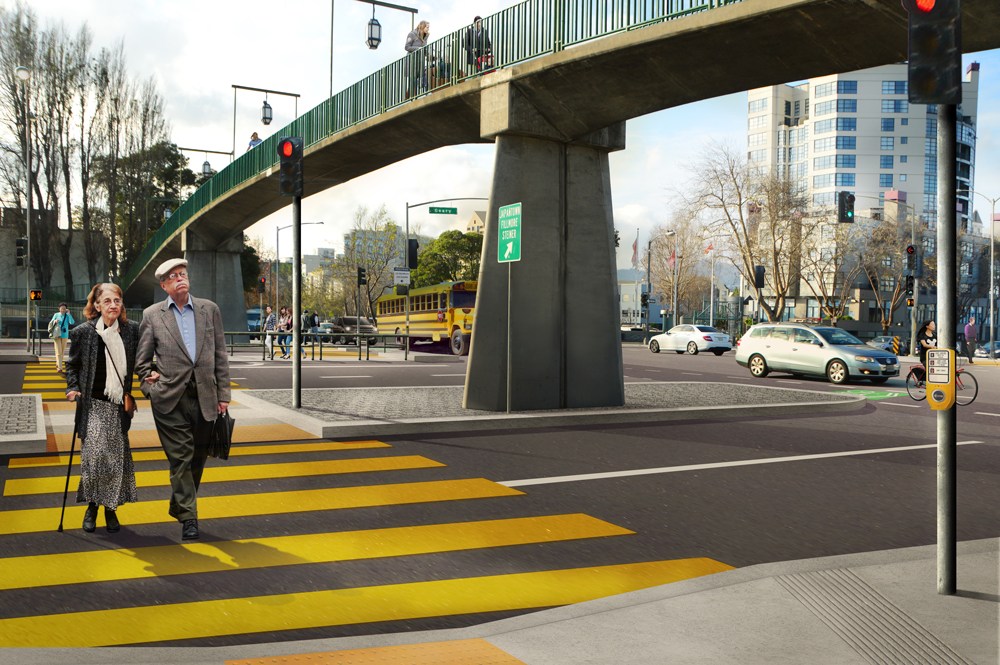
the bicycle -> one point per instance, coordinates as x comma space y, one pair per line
966, 386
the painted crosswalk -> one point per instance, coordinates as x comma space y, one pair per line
352, 549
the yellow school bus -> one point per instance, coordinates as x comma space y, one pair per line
443, 312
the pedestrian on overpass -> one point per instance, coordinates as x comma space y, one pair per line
183, 368
970, 338
254, 141
64, 321
478, 49
417, 64
99, 370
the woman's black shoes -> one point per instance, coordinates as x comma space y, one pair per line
90, 518
112, 520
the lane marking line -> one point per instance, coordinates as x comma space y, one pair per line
145, 562
692, 373
266, 503
983, 413
315, 609
714, 465
909, 406
354, 376
447, 374
220, 474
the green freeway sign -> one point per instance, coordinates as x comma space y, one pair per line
509, 246
444, 211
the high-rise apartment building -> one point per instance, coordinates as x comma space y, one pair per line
857, 132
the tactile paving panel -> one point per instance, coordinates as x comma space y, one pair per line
459, 652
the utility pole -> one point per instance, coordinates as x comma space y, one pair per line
649, 283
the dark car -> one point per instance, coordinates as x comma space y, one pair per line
330, 332
349, 327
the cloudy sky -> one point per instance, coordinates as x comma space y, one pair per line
196, 51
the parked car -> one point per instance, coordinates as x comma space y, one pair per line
983, 350
803, 350
885, 343
253, 322
692, 339
349, 328
330, 332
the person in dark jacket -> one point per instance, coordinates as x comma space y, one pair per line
478, 49
99, 371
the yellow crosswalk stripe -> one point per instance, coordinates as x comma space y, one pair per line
148, 438
316, 609
38, 387
269, 503
455, 652
230, 473
239, 451
129, 564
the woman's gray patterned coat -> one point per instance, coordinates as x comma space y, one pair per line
81, 364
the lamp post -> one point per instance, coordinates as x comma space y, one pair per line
206, 167
994, 218
24, 74
277, 260
673, 310
266, 112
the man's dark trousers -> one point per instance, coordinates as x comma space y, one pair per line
970, 348
184, 433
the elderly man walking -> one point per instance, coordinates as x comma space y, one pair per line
187, 383
970, 338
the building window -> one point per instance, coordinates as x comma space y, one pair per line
824, 199
888, 124
845, 180
893, 87
847, 87
819, 145
820, 181
885, 162
757, 155
846, 161
902, 177
798, 106
904, 139
823, 126
807, 108
885, 180
902, 159
847, 124
847, 142
887, 283
888, 143
798, 153
824, 90
895, 106
847, 106
758, 105
788, 108
757, 139
757, 122
904, 121
821, 163
824, 108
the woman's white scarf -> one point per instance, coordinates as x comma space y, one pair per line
114, 350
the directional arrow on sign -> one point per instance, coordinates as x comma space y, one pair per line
510, 248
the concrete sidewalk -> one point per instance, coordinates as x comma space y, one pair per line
855, 609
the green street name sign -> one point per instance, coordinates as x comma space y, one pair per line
444, 211
509, 246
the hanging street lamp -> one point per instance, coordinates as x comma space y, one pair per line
374, 31
206, 168
266, 114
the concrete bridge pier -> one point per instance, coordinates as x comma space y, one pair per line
215, 274
565, 340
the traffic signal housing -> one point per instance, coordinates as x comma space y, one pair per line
909, 285
758, 277
262, 287
36, 295
845, 208
290, 166
935, 51
645, 299
909, 302
911, 257
362, 277
412, 249
22, 251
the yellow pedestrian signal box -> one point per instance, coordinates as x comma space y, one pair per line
36, 295
941, 378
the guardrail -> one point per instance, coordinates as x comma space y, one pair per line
321, 337
525, 31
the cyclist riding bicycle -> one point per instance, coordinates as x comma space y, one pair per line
926, 339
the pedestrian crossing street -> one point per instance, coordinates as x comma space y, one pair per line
299, 540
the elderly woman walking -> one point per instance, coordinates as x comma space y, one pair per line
99, 373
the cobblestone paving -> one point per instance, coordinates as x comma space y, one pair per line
17, 414
389, 404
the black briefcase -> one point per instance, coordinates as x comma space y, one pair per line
222, 436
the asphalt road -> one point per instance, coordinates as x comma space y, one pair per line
879, 495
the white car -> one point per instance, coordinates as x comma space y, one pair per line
692, 339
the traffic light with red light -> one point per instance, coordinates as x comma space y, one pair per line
935, 53
911, 257
290, 166
263, 285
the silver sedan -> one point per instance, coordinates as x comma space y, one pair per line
691, 338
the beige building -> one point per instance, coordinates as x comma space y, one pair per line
477, 223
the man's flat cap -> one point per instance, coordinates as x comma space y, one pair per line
167, 266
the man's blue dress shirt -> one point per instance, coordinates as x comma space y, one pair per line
185, 323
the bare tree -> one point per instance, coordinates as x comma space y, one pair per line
830, 265
375, 243
688, 243
758, 212
884, 265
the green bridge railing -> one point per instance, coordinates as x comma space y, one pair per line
522, 32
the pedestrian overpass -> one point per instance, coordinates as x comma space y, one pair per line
569, 73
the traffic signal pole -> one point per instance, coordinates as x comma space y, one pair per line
297, 302
947, 320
